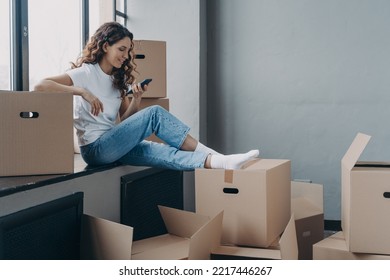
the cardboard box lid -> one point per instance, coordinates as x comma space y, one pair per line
288, 247
105, 240
190, 236
255, 166
261, 164
355, 150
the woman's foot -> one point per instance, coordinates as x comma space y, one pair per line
234, 161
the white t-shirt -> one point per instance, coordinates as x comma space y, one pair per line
90, 127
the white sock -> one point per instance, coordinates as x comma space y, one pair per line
232, 161
202, 148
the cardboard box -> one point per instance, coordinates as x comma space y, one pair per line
307, 205
287, 249
334, 247
150, 57
256, 200
190, 236
365, 201
36, 133
105, 240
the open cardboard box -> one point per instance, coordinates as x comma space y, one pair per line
36, 134
334, 247
365, 194
190, 236
255, 199
287, 248
307, 205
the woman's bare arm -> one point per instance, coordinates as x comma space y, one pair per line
63, 83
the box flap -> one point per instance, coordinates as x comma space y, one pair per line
288, 242
355, 150
206, 239
154, 242
301, 207
314, 193
105, 240
163, 247
288, 247
182, 223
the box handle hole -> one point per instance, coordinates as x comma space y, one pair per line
230, 190
29, 115
139, 56
386, 194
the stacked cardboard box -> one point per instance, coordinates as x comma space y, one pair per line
365, 203
36, 133
256, 201
150, 59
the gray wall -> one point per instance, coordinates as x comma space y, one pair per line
298, 79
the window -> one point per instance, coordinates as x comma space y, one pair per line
5, 61
121, 11
41, 38
54, 37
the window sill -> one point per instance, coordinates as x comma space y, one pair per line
11, 185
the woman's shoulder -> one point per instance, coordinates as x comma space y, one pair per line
86, 68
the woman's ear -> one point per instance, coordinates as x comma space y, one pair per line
105, 47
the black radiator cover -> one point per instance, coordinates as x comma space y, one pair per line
142, 192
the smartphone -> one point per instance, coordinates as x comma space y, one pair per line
143, 83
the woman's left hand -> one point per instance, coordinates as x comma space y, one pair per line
138, 90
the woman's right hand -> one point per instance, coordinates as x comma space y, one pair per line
96, 104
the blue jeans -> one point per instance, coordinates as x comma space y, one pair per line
125, 143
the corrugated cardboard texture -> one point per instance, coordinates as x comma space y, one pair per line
105, 240
365, 207
256, 200
307, 206
190, 236
334, 247
151, 63
41, 144
288, 249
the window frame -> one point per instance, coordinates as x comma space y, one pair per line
120, 14
19, 41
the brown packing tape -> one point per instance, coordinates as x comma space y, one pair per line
229, 176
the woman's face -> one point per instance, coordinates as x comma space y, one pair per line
118, 53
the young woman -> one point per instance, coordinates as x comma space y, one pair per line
99, 80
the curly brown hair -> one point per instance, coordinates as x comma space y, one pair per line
110, 32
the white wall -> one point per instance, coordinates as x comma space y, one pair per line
177, 23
